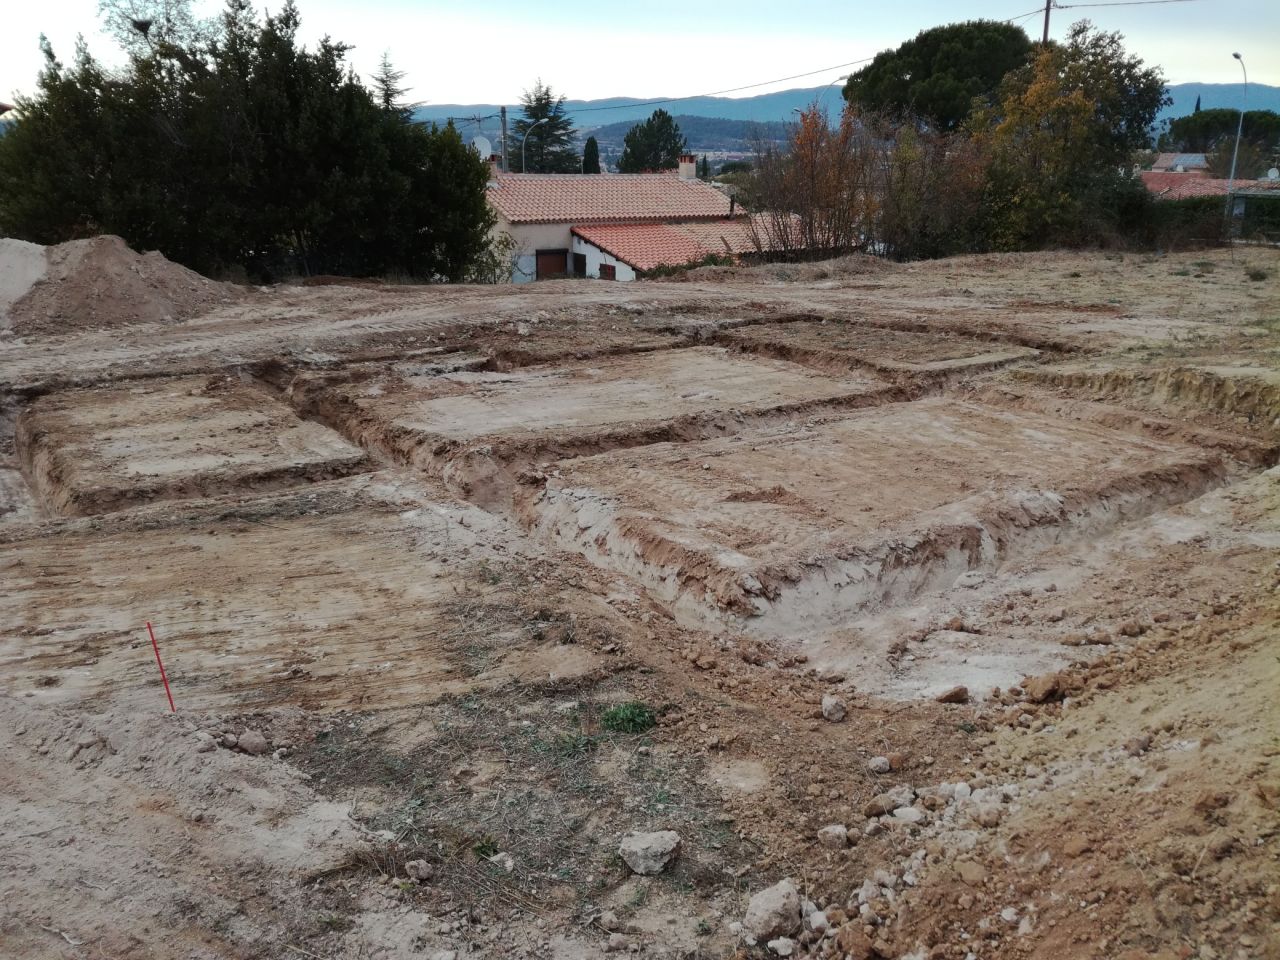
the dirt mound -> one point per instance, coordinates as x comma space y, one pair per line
100, 282
854, 265
22, 264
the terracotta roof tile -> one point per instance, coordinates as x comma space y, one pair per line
648, 245
604, 197
1180, 186
724, 236
644, 245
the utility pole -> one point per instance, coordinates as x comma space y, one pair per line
506, 168
1048, 5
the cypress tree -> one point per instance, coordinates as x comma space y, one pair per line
591, 156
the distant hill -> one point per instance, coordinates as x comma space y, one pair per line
591, 115
705, 133
1229, 95
608, 114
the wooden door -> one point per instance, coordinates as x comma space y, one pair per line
552, 263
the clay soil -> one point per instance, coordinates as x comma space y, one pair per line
455, 587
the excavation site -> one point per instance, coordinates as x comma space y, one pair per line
922, 611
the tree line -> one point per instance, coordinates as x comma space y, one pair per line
969, 138
234, 150
1213, 133
543, 140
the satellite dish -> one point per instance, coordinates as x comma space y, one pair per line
1273, 174
482, 146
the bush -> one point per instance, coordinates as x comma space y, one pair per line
673, 270
1181, 224
1261, 218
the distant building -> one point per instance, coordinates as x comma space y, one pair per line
1191, 164
1179, 186
611, 225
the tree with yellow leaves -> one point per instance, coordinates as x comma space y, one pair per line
1061, 138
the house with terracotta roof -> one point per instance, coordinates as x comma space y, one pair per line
1179, 186
1190, 164
612, 225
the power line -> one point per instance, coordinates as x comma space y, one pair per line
719, 93
1023, 16
1050, 5
1117, 3
765, 83
794, 76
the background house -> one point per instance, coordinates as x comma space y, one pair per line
542, 211
1180, 186
621, 251
1191, 164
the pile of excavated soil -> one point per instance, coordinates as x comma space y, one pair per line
100, 282
853, 265
22, 265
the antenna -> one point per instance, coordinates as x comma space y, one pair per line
1273, 174
482, 146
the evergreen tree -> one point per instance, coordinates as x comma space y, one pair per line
545, 133
386, 85
655, 144
591, 156
704, 168
1197, 109
243, 151
142, 25
938, 75
1204, 130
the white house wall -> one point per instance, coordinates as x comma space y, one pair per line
529, 238
596, 257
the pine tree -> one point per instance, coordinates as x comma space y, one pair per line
545, 133
704, 168
591, 156
1197, 109
386, 85
655, 144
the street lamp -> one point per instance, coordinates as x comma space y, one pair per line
526, 137
827, 89
1239, 129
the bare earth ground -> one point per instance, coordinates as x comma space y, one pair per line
455, 587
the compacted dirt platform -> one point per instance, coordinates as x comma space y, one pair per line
838, 346
848, 610
477, 422
352, 593
805, 526
94, 451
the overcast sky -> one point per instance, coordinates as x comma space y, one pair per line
488, 52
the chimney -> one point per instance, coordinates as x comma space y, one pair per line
688, 167
495, 166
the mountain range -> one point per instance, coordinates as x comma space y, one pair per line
614, 114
